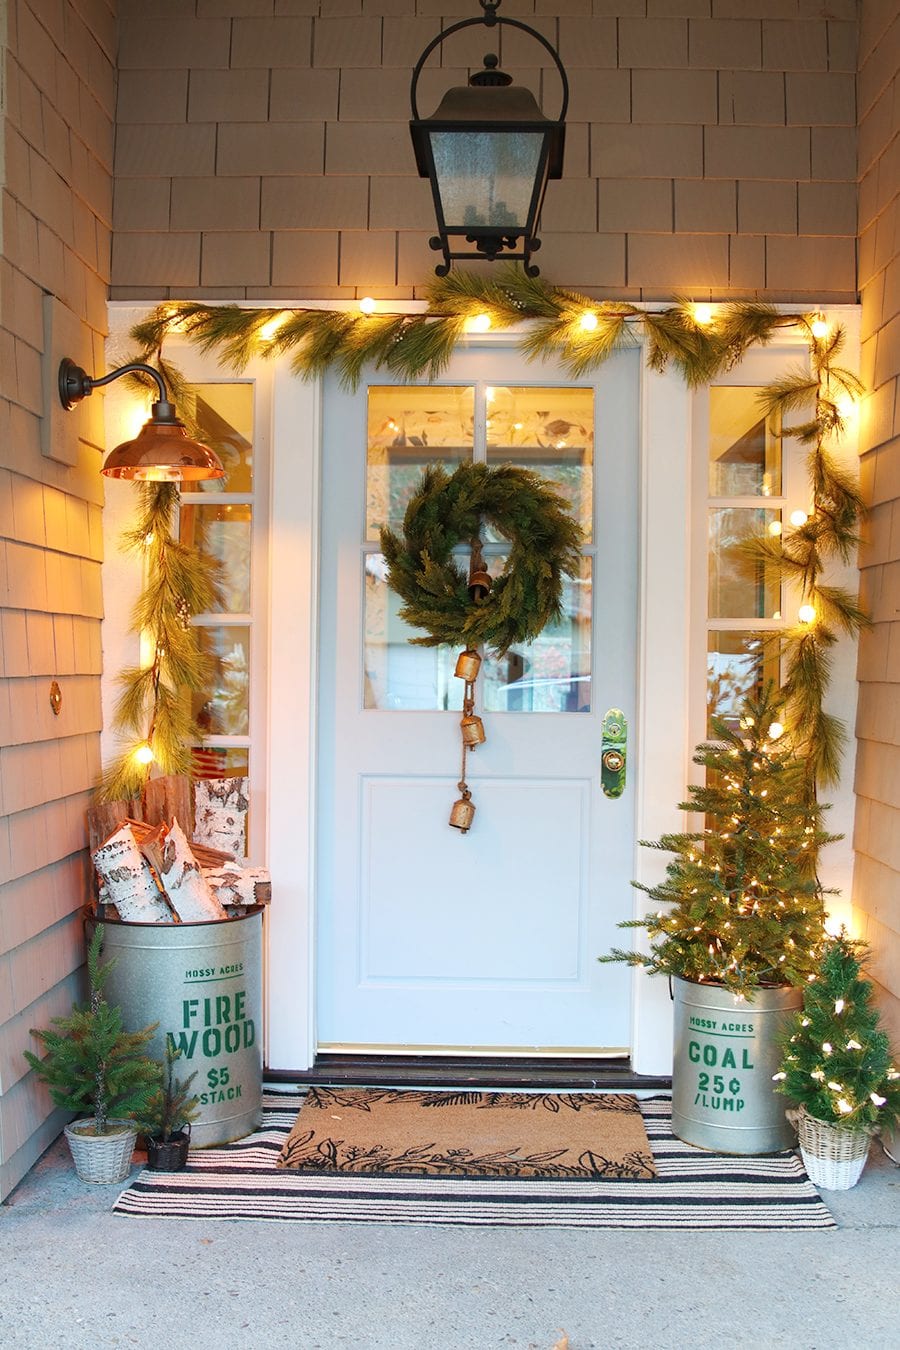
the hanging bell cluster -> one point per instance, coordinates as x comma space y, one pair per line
468, 664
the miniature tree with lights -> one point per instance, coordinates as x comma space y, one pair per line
743, 905
836, 1061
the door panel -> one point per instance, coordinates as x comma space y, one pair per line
432, 939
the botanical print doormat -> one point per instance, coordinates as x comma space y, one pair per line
693, 1189
391, 1132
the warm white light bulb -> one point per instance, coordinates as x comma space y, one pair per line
820, 327
775, 527
588, 321
143, 754
703, 315
798, 518
775, 730
846, 406
844, 1106
268, 330
478, 323
367, 305
806, 614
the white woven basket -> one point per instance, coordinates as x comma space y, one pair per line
833, 1156
102, 1157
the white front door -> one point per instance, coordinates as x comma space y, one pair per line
428, 939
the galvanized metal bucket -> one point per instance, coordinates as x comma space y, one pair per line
203, 983
726, 1051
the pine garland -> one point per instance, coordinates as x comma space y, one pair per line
153, 711
744, 905
836, 1060
580, 333
448, 509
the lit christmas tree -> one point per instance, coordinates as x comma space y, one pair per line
744, 907
836, 1061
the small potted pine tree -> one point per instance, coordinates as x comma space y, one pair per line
836, 1065
168, 1119
738, 930
92, 1064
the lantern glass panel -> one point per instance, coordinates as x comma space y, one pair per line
486, 179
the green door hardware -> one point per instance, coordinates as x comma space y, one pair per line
613, 753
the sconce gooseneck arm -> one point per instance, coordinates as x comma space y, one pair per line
75, 384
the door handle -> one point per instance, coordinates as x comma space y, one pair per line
613, 753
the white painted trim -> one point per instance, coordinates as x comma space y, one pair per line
293, 696
663, 670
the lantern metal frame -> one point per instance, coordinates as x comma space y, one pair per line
491, 241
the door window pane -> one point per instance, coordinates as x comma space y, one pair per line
737, 589
737, 665
222, 529
399, 675
744, 445
553, 673
224, 416
223, 708
550, 431
408, 428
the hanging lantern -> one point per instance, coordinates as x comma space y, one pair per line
488, 152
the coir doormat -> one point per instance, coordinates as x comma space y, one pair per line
693, 1189
391, 1132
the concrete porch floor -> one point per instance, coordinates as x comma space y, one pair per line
73, 1276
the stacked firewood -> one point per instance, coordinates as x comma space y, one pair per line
149, 872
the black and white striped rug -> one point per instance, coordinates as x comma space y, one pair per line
694, 1189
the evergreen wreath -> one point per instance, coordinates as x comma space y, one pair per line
448, 509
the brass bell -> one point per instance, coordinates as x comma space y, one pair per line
468, 664
479, 583
472, 730
462, 813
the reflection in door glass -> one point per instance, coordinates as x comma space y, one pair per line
744, 445
739, 589
553, 673
409, 427
738, 665
222, 529
224, 417
550, 431
223, 707
399, 675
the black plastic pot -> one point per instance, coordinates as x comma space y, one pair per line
169, 1155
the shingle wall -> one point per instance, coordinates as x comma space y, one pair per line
58, 87
262, 148
877, 836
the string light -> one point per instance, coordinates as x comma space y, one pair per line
775, 730
798, 518
820, 327
589, 321
270, 328
775, 527
367, 305
478, 323
703, 315
806, 614
143, 754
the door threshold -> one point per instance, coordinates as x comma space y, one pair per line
476, 1071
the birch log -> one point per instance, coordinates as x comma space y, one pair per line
240, 885
129, 881
220, 813
179, 872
